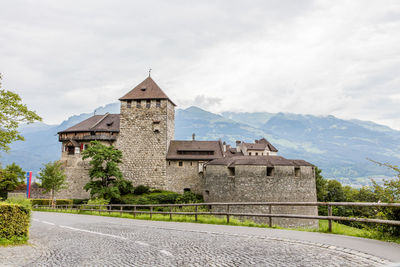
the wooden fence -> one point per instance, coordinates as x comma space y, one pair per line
149, 209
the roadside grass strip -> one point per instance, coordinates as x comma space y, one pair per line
13, 241
337, 228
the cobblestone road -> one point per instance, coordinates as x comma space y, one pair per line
75, 240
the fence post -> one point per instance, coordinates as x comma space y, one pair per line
134, 212
195, 210
227, 214
151, 212
329, 220
170, 213
120, 212
270, 218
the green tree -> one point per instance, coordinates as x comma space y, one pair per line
321, 183
12, 113
10, 178
389, 192
53, 178
106, 179
335, 191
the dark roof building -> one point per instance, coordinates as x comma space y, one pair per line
194, 150
258, 160
261, 145
97, 123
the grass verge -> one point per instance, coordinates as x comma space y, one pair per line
337, 228
13, 241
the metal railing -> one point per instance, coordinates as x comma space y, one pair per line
149, 209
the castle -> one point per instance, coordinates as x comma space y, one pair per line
144, 132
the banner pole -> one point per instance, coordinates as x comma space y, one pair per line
28, 184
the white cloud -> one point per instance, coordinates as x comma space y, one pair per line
318, 57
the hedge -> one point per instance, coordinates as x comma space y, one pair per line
79, 201
47, 202
14, 221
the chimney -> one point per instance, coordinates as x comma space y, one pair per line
193, 136
238, 146
224, 145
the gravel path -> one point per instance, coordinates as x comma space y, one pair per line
78, 240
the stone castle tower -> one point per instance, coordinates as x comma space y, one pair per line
146, 129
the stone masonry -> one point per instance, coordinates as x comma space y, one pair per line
250, 183
145, 133
184, 177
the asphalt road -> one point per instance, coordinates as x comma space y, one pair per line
80, 240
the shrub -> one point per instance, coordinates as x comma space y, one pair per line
14, 221
155, 198
156, 191
189, 197
47, 202
20, 201
141, 189
100, 202
163, 198
79, 201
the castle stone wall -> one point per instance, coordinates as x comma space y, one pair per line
77, 171
251, 184
144, 137
185, 176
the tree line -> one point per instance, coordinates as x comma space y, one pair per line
389, 191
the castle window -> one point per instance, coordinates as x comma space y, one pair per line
231, 171
297, 171
256, 153
190, 152
207, 192
270, 171
143, 89
191, 163
148, 103
138, 104
180, 163
85, 147
201, 167
186, 190
249, 153
129, 104
169, 163
158, 103
156, 126
71, 150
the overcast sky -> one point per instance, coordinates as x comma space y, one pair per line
316, 57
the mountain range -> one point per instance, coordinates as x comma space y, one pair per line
341, 148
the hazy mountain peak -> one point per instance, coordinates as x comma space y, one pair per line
339, 147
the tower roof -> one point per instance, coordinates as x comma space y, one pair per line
148, 89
